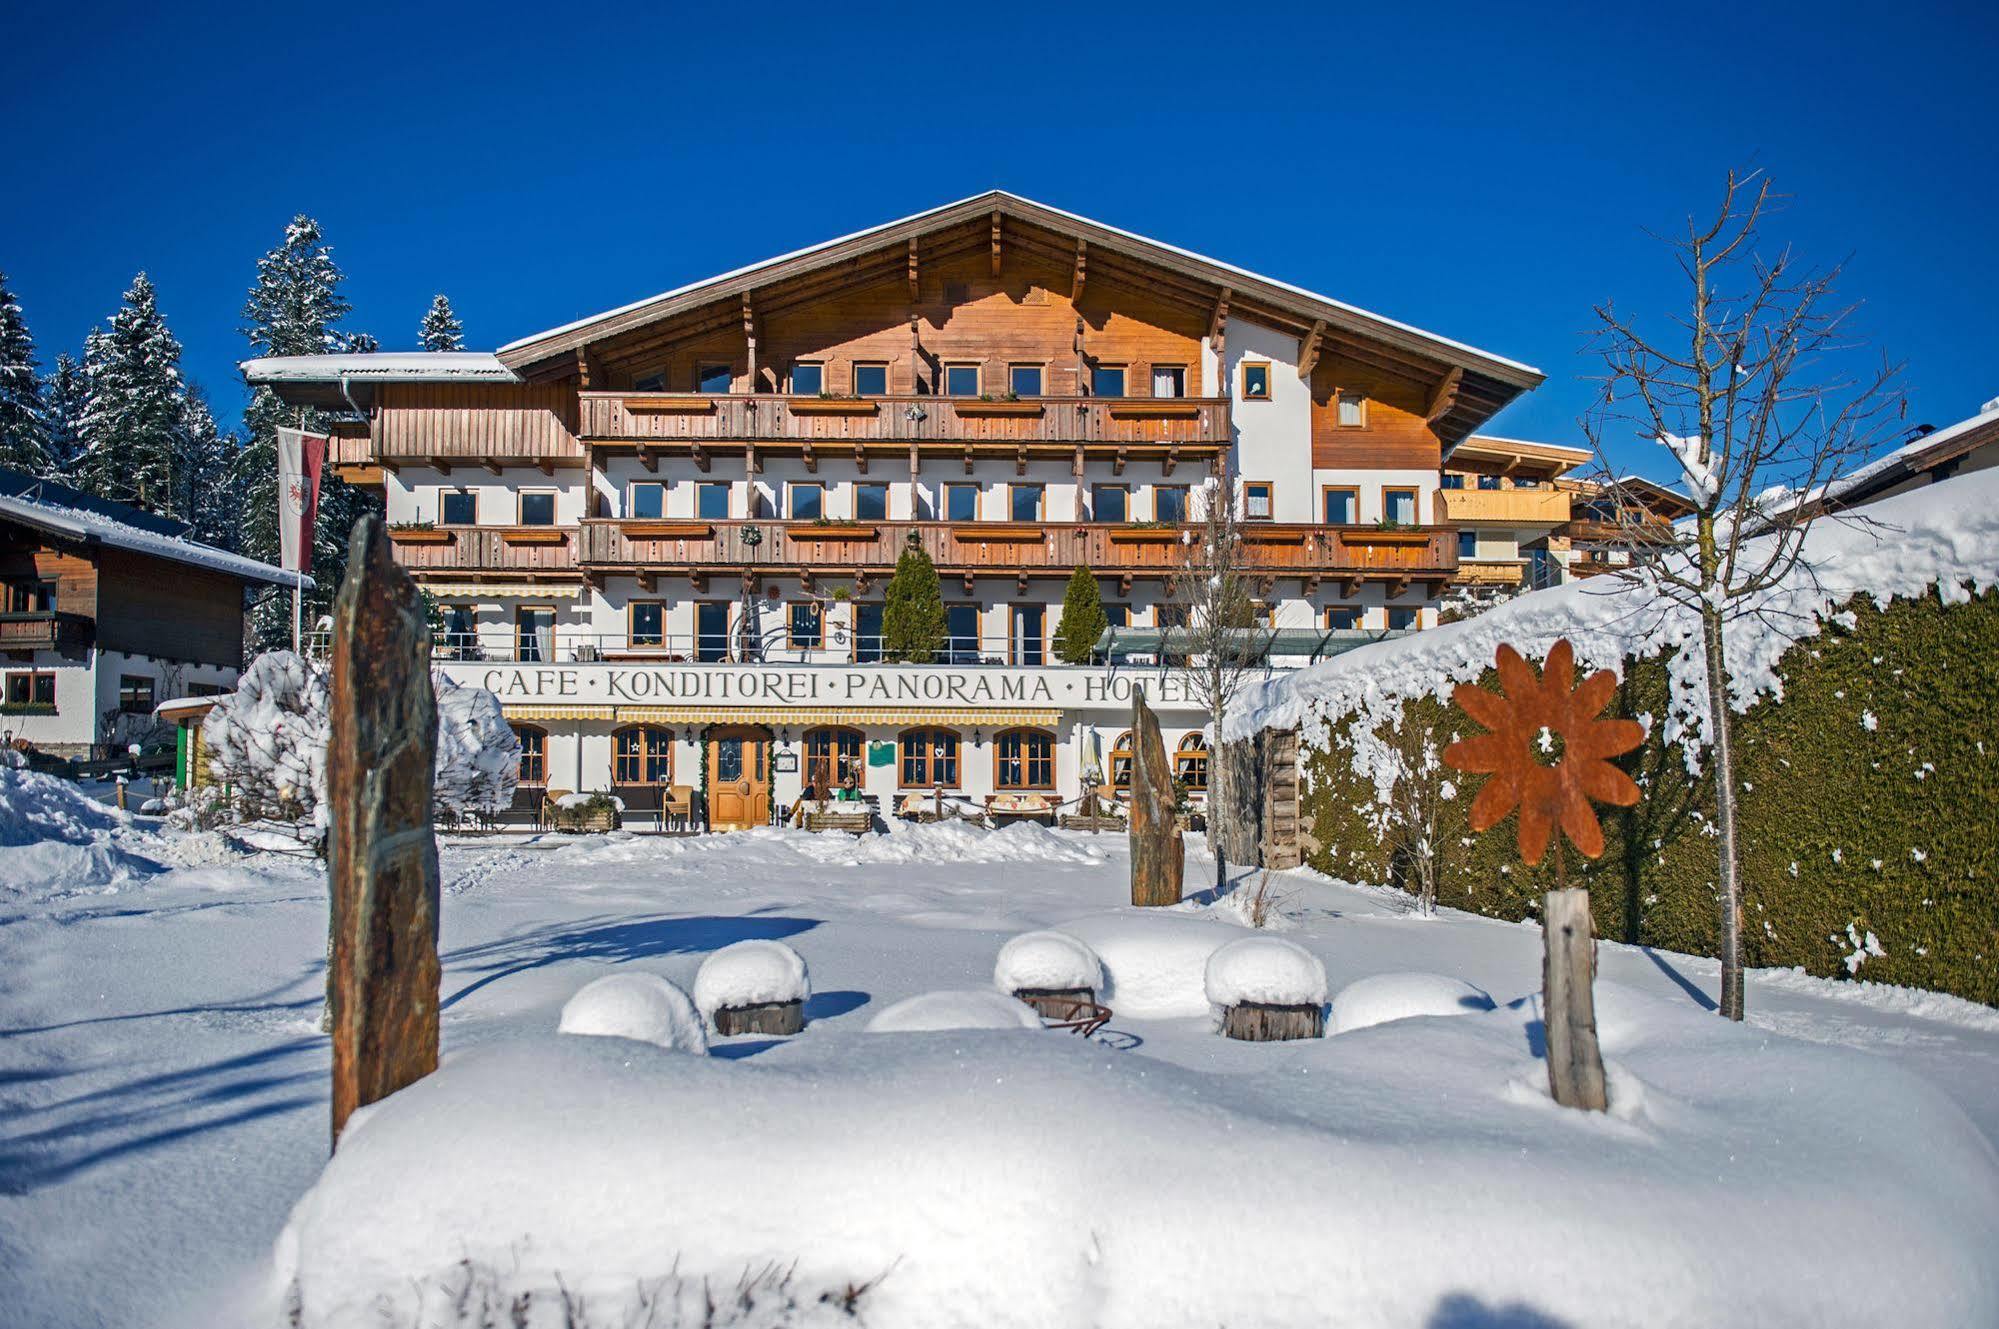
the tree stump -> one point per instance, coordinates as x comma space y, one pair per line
767, 1017
1157, 854
1055, 1003
382, 985
1568, 1001
1258, 1022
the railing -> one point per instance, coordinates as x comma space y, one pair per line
512, 549
47, 630
1494, 572
1505, 505
663, 417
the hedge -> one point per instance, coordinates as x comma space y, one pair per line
1870, 804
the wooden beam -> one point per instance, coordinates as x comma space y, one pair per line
490, 465
648, 581
968, 459
860, 457
1124, 583
1171, 460
1445, 397
698, 580
546, 465
700, 458
442, 465
1082, 270
915, 355
1309, 356
915, 463
1218, 323
751, 465
968, 583
1076, 467
1020, 460
389, 464
589, 370
1399, 585
750, 339
810, 458
1117, 463
996, 242
912, 270
649, 458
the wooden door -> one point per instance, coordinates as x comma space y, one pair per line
738, 777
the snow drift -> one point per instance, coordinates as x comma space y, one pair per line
956, 1008
1381, 998
55, 839
642, 1007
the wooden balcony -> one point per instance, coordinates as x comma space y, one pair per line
71, 634
1346, 554
1545, 506
1493, 572
509, 552
1041, 426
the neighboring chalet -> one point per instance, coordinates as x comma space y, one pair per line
662, 533
109, 610
1932, 457
1511, 513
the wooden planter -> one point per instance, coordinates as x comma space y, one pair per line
583, 819
1256, 1022
420, 537
978, 408
640, 529
1383, 538
769, 1017
1055, 1003
1166, 408
534, 535
1000, 533
833, 531
831, 406
1147, 535
673, 405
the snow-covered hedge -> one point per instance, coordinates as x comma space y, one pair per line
267, 741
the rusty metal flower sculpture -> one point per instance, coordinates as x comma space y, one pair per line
1548, 751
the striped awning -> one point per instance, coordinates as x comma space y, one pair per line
488, 590
852, 715
519, 711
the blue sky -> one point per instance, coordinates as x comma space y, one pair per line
1485, 171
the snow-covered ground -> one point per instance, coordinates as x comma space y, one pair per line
163, 1101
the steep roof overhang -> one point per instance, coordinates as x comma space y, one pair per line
1468, 386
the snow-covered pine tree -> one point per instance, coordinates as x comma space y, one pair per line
441, 330
362, 343
291, 310
65, 393
208, 502
23, 427
135, 414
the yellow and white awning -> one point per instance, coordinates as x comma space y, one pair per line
904, 716
492, 590
519, 711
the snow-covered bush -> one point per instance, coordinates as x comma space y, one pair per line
1047, 961
478, 753
750, 973
954, 1008
1268, 970
1384, 997
644, 1007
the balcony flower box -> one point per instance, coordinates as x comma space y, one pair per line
833, 530
420, 535
1145, 535
675, 405
1163, 408
831, 406
653, 529
534, 535
990, 408
1006, 533
1383, 538
1271, 535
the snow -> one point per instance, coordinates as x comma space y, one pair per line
957, 1008
1046, 960
1155, 964
1702, 476
639, 1006
97, 527
1381, 998
1267, 970
438, 366
751, 973
164, 1087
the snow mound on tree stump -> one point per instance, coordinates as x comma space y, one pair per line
644, 1007
1266, 970
1154, 961
956, 1008
1046, 960
750, 973
1386, 997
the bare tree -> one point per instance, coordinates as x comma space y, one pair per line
1415, 812
1751, 398
1219, 646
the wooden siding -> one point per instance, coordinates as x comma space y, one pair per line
470, 423
502, 549
23, 557
199, 619
1396, 434
1505, 506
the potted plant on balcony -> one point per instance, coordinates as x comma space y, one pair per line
417, 533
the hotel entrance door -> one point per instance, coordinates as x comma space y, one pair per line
738, 777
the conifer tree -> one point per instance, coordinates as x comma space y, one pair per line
207, 502
65, 393
441, 330
362, 343
913, 610
23, 427
1083, 618
134, 421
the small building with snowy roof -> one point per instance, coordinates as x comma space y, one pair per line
105, 610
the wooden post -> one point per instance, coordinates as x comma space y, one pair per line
1568, 1003
1157, 852
382, 988
1235, 801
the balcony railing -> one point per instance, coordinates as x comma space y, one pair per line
1548, 506
532, 551
47, 630
661, 419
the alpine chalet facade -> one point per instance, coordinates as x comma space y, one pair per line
662, 534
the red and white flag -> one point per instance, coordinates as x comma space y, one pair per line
300, 457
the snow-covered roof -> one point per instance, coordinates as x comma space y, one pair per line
1922, 454
402, 366
68, 514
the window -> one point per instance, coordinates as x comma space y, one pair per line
831, 755
711, 500
1121, 754
1117, 613
1024, 759
1169, 380
867, 633
534, 635
1169, 503
1257, 500
31, 692
1341, 507
1352, 411
1467, 544
1107, 381
808, 501
1342, 618
961, 380
1255, 381
1452, 480
711, 631
961, 633
871, 380
961, 502
457, 507
650, 383
537, 507
31, 597
648, 626
930, 758
534, 755
461, 631
808, 380
135, 694
1190, 761
712, 379
1029, 637
1399, 506
1110, 502
1488, 482
1025, 502
642, 754
1024, 380
871, 502
646, 501
1170, 616
808, 625
1402, 620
